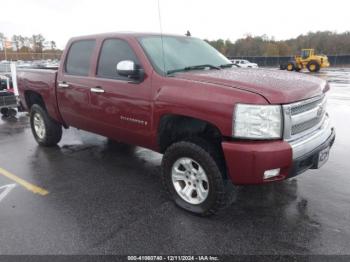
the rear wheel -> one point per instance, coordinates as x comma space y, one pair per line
193, 178
290, 67
46, 131
313, 66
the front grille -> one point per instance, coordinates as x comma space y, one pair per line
300, 108
303, 117
8, 100
298, 128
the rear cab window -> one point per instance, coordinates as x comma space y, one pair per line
79, 57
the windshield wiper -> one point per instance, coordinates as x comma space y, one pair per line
196, 67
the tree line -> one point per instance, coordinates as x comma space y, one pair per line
326, 42
26, 44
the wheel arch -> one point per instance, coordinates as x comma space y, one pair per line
32, 97
175, 127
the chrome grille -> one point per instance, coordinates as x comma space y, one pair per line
298, 128
304, 107
303, 117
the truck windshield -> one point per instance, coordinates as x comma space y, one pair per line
169, 54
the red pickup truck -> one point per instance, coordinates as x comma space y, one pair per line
177, 95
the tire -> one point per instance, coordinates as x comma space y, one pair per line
8, 112
283, 67
47, 132
4, 111
290, 67
12, 112
313, 66
196, 156
297, 68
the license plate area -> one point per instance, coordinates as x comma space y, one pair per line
323, 156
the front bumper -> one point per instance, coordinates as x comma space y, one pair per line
309, 160
247, 161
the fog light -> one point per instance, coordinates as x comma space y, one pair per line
271, 173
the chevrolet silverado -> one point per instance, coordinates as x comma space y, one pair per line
177, 95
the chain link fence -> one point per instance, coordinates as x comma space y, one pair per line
15, 56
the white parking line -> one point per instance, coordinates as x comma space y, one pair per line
7, 190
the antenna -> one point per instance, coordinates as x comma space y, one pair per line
161, 35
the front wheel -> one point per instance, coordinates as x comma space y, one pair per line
313, 66
290, 67
193, 178
46, 131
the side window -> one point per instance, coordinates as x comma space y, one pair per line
79, 57
113, 51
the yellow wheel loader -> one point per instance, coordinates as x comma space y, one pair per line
307, 59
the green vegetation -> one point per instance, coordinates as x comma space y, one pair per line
326, 42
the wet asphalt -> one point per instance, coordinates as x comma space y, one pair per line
106, 198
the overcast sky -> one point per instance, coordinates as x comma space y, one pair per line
58, 20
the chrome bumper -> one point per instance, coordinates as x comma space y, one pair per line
310, 142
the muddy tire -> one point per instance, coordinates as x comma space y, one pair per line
313, 66
297, 68
193, 177
290, 67
47, 132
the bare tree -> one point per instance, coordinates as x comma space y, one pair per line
2, 39
37, 42
15, 40
53, 45
324, 42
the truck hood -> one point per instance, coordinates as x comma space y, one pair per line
277, 87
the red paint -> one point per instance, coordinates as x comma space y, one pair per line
209, 96
247, 161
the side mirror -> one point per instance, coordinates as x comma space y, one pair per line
129, 69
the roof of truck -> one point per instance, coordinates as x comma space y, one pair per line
126, 33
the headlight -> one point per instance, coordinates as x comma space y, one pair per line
257, 121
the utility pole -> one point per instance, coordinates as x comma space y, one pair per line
4, 47
5, 53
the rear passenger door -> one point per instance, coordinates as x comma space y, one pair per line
74, 83
121, 109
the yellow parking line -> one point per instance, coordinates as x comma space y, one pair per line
33, 188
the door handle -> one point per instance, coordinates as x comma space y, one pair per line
63, 84
96, 89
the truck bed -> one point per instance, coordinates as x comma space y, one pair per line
42, 82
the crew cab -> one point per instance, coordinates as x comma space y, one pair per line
214, 123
